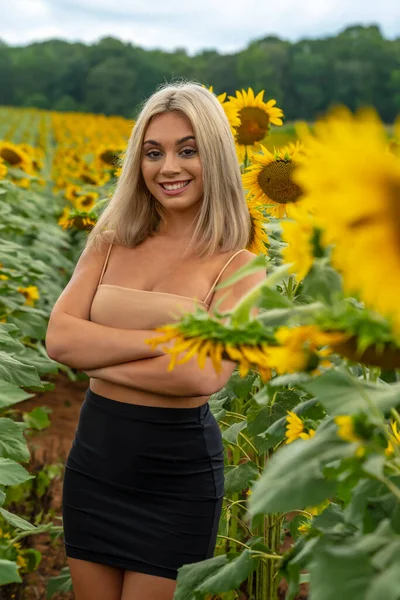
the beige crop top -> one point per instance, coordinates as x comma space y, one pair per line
129, 308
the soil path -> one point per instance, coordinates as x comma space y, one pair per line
47, 447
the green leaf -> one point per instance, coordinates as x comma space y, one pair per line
11, 473
38, 418
374, 465
342, 393
239, 387
239, 477
293, 478
230, 576
30, 323
322, 283
230, 434
386, 585
259, 420
191, 576
17, 521
9, 572
271, 299
16, 372
216, 405
12, 441
341, 572
12, 394
8, 343
61, 583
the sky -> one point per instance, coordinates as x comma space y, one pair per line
224, 25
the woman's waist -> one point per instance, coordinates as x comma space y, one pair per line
130, 395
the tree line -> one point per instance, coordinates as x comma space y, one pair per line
357, 67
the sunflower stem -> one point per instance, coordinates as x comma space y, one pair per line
241, 313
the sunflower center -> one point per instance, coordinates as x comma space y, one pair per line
109, 157
87, 201
276, 182
253, 127
10, 156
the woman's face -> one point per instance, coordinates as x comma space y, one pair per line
171, 165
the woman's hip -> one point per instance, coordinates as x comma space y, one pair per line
149, 449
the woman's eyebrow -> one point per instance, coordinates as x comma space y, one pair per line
177, 143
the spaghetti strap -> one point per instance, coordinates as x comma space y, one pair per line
220, 273
105, 262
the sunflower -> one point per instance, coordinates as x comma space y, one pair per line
72, 192
82, 222
292, 352
346, 429
3, 169
295, 428
258, 237
15, 156
394, 439
85, 202
255, 116
108, 157
298, 234
231, 112
352, 184
269, 178
31, 294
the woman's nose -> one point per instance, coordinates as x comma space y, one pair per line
171, 165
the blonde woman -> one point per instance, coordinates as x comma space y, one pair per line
144, 481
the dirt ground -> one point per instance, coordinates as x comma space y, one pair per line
50, 446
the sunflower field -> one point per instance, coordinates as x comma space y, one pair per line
310, 419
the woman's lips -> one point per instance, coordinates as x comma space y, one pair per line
177, 191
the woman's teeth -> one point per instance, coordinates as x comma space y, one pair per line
174, 186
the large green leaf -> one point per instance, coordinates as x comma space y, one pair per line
342, 393
239, 477
230, 434
8, 572
16, 521
322, 282
16, 372
12, 441
191, 576
339, 571
260, 419
30, 323
230, 576
11, 473
8, 343
293, 478
386, 585
12, 394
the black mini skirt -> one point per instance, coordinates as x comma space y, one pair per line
143, 486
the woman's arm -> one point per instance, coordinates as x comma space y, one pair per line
151, 375
84, 344
74, 340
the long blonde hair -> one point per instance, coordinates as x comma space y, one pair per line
223, 223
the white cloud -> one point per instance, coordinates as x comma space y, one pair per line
225, 24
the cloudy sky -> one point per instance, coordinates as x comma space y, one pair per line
226, 25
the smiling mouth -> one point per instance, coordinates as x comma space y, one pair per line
179, 185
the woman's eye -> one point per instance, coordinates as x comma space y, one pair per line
188, 151
153, 154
